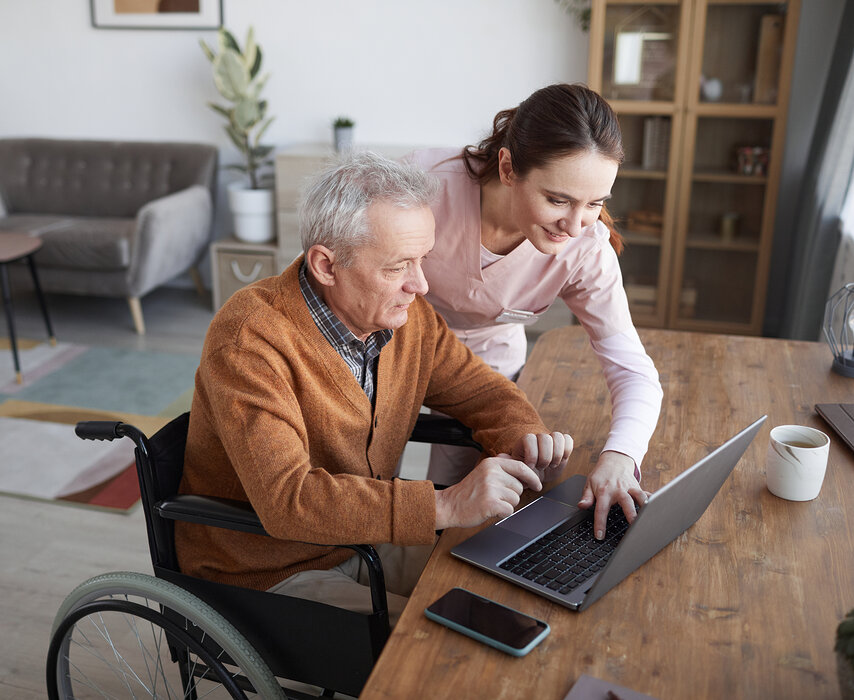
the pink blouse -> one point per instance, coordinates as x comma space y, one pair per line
488, 307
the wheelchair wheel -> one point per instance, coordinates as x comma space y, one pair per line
127, 634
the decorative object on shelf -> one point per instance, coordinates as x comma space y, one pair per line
342, 129
768, 56
838, 328
645, 221
711, 89
174, 14
656, 143
729, 225
844, 649
752, 160
237, 76
580, 9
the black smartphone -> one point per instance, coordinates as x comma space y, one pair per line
489, 622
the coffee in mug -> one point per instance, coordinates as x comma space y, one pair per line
796, 463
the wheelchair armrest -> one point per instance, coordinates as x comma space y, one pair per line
239, 515
443, 430
209, 510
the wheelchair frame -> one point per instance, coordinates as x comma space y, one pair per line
210, 626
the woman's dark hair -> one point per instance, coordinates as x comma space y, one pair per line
555, 121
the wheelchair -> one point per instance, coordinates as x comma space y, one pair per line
170, 635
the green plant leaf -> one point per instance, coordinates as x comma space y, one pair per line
237, 138
236, 166
255, 87
227, 41
246, 114
261, 151
263, 128
224, 111
230, 76
250, 50
207, 50
256, 64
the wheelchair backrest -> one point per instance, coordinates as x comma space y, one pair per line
160, 473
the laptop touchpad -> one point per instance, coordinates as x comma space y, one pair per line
538, 517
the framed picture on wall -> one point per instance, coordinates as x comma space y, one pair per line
156, 14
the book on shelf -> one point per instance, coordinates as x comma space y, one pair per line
768, 52
656, 143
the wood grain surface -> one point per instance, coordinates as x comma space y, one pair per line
743, 605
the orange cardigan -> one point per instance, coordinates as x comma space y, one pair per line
279, 420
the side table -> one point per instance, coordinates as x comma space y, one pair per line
14, 247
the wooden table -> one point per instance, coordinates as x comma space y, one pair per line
743, 605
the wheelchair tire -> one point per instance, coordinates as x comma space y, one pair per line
109, 640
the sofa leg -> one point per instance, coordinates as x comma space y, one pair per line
196, 276
136, 312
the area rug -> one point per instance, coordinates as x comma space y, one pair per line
41, 457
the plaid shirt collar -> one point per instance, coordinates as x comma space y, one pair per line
359, 356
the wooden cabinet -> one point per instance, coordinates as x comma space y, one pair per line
701, 89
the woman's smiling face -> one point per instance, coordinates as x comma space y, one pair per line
553, 203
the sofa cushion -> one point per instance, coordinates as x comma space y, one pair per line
88, 244
33, 224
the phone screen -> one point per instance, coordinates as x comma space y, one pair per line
491, 619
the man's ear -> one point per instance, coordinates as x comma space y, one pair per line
505, 166
321, 264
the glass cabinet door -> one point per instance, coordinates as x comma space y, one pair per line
639, 204
639, 56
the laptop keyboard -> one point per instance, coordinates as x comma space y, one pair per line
569, 554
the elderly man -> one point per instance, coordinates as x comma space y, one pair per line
309, 385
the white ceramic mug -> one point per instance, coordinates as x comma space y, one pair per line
797, 460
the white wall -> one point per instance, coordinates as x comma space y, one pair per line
408, 71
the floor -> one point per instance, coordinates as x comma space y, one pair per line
49, 549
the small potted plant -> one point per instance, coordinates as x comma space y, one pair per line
845, 656
237, 77
343, 130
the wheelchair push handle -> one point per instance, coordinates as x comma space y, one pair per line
98, 430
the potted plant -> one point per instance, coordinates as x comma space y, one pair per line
343, 130
237, 77
845, 656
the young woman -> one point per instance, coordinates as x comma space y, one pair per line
521, 221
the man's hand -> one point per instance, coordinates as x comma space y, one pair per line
491, 489
545, 453
612, 481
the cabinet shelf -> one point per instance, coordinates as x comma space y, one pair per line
634, 238
711, 241
735, 110
637, 172
728, 177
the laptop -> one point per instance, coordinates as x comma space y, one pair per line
840, 417
548, 546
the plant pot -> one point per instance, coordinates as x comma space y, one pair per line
845, 671
253, 213
343, 138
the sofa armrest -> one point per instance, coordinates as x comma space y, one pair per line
171, 234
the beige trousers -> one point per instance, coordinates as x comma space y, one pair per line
346, 585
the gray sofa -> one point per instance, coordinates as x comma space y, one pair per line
116, 219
